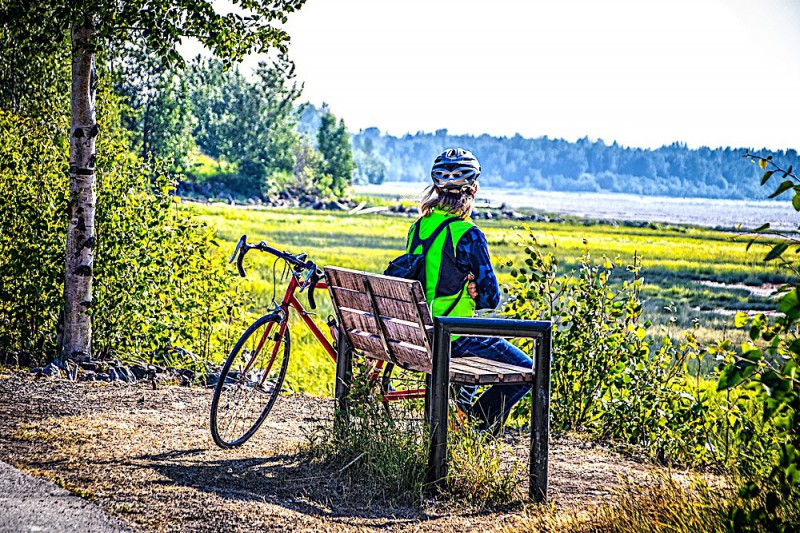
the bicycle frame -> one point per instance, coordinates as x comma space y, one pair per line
290, 301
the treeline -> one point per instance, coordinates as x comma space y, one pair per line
559, 165
220, 127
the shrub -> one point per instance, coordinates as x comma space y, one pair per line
612, 379
156, 283
767, 366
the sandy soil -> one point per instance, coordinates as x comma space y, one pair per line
146, 456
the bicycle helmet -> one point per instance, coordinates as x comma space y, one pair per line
454, 169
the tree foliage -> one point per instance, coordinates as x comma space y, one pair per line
247, 122
157, 104
161, 24
333, 143
40, 28
156, 283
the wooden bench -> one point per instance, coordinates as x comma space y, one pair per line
388, 319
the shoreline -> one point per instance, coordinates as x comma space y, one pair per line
693, 211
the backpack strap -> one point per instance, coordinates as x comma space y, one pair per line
455, 302
426, 243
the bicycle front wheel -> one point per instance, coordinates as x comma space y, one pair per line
250, 381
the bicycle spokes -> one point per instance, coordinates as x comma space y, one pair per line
251, 381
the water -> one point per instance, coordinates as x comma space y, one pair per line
695, 211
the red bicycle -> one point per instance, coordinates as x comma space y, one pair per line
251, 378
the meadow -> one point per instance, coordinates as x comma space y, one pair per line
674, 259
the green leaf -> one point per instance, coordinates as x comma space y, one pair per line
782, 188
796, 200
776, 251
740, 319
790, 304
767, 175
730, 377
761, 228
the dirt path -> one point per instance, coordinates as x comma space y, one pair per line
146, 457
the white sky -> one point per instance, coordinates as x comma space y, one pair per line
642, 72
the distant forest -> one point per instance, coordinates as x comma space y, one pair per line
559, 165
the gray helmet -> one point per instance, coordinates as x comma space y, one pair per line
455, 168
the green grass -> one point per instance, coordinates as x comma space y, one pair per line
670, 260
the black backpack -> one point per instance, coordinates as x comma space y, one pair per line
411, 265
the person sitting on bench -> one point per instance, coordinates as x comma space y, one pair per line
459, 277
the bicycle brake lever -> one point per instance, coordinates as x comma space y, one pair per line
243, 240
306, 282
312, 285
238, 254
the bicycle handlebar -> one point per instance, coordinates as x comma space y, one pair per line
299, 262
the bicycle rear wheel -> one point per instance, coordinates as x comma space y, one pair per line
250, 381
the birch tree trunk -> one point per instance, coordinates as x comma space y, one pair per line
77, 341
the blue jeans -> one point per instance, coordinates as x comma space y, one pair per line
493, 405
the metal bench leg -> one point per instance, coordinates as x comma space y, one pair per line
436, 400
344, 375
540, 425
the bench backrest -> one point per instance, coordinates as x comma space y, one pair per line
384, 317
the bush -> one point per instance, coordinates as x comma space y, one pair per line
767, 366
612, 379
156, 281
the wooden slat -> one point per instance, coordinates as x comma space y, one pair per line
396, 329
508, 373
476, 370
382, 286
386, 306
413, 357
463, 373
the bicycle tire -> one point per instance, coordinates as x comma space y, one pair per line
242, 400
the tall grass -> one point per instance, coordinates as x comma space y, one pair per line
670, 260
386, 449
665, 504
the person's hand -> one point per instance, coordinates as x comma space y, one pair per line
472, 287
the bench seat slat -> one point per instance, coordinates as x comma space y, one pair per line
477, 371
514, 373
396, 329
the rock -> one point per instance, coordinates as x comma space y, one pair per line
87, 375
211, 379
127, 375
102, 376
53, 370
140, 372
333, 205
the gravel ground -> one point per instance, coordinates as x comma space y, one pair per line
146, 457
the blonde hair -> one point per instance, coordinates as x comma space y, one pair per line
458, 202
